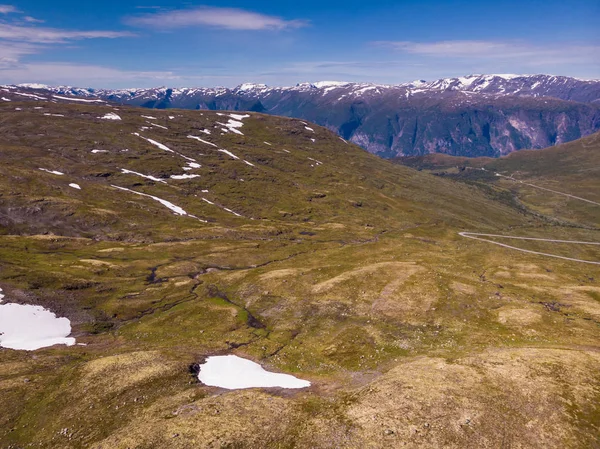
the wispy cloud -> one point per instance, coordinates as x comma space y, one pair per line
52, 35
30, 19
527, 53
21, 36
208, 16
11, 54
44, 35
7, 9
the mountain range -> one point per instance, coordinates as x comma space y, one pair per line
476, 115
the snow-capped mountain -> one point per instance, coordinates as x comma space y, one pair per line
474, 115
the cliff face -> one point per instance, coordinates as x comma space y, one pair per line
483, 115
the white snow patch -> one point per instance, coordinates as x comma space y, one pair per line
209, 202
153, 178
149, 117
201, 140
36, 97
6, 99
164, 147
205, 131
81, 100
229, 153
194, 165
310, 129
176, 209
159, 126
267, 143
110, 116
232, 126
238, 116
28, 327
32, 86
249, 163
99, 151
325, 84
75, 186
54, 172
232, 372
230, 211
184, 176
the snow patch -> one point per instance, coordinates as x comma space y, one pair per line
29, 327
75, 186
81, 100
203, 141
232, 372
35, 97
54, 172
229, 153
184, 176
232, 125
164, 147
110, 116
238, 116
153, 178
176, 209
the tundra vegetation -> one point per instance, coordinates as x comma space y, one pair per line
308, 255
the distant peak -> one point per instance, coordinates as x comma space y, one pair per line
324, 84
251, 86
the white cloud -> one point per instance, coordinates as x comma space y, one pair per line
32, 19
52, 35
228, 18
524, 52
79, 74
7, 9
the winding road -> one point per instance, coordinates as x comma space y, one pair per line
548, 190
478, 236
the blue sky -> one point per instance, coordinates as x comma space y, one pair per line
143, 43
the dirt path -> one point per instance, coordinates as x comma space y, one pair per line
549, 190
478, 236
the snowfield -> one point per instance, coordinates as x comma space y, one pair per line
28, 327
232, 372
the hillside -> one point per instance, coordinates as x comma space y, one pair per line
542, 180
477, 115
169, 236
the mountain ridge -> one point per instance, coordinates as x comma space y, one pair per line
476, 115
